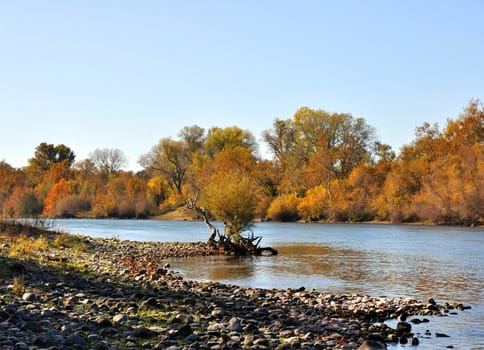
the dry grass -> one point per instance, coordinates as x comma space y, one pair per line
25, 246
18, 285
74, 242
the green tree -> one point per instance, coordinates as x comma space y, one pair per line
48, 154
30, 205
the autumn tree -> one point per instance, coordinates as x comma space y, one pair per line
453, 190
337, 140
229, 137
58, 192
10, 178
317, 147
231, 197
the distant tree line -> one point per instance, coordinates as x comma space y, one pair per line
324, 166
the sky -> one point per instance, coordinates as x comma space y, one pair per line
124, 74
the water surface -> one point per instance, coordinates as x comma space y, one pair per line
445, 263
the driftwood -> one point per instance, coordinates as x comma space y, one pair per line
228, 244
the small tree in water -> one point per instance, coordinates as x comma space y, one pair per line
231, 198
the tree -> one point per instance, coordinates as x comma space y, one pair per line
193, 137
48, 154
230, 137
108, 160
169, 158
58, 192
281, 139
232, 199
317, 147
9, 179
348, 140
30, 205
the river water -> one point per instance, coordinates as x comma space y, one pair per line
421, 262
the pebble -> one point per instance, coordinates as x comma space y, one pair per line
117, 303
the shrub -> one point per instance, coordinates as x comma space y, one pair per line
30, 205
70, 206
126, 209
24, 246
65, 240
284, 208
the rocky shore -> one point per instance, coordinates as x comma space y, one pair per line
111, 294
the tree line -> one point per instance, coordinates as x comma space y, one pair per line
324, 166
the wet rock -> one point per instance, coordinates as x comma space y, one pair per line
403, 328
442, 335
372, 345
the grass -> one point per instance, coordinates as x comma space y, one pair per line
26, 247
74, 242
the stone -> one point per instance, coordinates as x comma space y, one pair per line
120, 318
75, 339
104, 323
372, 345
102, 345
21, 346
29, 296
218, 312
442, 335
183, 332
235, 325
143, 332
192, 338
403, 327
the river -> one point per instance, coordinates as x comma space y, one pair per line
421, 262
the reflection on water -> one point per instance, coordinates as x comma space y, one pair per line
342, 270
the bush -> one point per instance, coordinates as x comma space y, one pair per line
30, 205
126, 209
284, 208
74, 242
70, 206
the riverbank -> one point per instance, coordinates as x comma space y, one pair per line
65, 291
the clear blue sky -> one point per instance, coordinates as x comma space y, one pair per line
123, 74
